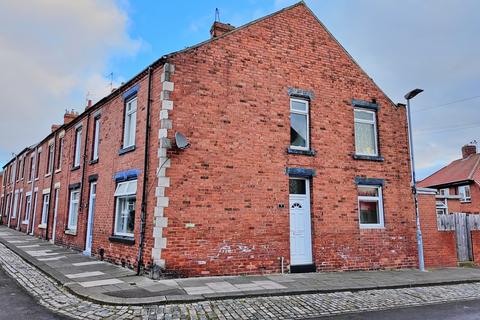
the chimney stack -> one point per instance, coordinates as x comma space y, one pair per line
218, 28
55, 127
69, 116
89, 104
468, 150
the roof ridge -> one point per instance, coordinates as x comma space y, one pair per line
470, 176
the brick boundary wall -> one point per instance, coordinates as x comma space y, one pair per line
439, 246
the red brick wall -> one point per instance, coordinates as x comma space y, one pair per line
476, 246
231, 101
439, 246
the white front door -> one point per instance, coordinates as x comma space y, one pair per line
300, 224
91, 213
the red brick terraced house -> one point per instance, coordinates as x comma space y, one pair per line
293, 158
458, 183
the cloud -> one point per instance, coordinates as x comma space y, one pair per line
428, 44
52, 53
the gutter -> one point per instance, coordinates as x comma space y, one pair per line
145, 176
80, 201
33, 200
12, 199
51, 185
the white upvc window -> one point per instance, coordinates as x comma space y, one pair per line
444, 191
73, 209
28, 208
60, 153
370, 206
37, 164
96, 137
441, 206
125, 198
464, 193
50, 159
15, 205
299, 124
32, 167
45, 207
78, 145
366, 141
7, 205
130, 123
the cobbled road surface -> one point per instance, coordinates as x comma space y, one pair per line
306, 306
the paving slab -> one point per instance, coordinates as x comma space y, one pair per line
111, 284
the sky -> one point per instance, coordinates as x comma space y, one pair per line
56, 54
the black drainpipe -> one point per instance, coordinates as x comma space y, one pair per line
145, 176
51, 184
84, 166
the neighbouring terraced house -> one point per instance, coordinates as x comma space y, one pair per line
295, 159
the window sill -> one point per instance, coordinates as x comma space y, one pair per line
93, 161
122, 239
75, 168
30, 181
126, 150
465, 201
42, 226
372, 227
25, 222
36, 179
71, 232
58, 170
370, 158
310, 152
48, 175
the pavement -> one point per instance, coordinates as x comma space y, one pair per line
105, 283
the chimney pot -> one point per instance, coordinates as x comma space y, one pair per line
218, 28
69, 116
468, 150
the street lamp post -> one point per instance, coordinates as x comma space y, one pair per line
408, 97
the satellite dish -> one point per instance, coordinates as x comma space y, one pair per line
181, 141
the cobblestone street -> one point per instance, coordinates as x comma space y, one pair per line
57, 299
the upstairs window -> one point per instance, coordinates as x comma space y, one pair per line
60, 153
464, 193
130, 123
370, 206
365, 132
37, 165
22, 167
78, 144
299, 124
32, 167
441, 206
96, 138
444, 192
50, 159
125, 197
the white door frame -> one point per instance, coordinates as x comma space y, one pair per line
56, 193
307, 258
91, 214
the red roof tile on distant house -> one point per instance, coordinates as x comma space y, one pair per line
457, 171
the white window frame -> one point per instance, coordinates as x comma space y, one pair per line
462, 193
51, 154
73, 216
441, 206
123, 196
78, 146
60, 153
378, 199
28, 207
15, 205
444, 191
45, 208
374, 122
130, 123
305, 113
96, 137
